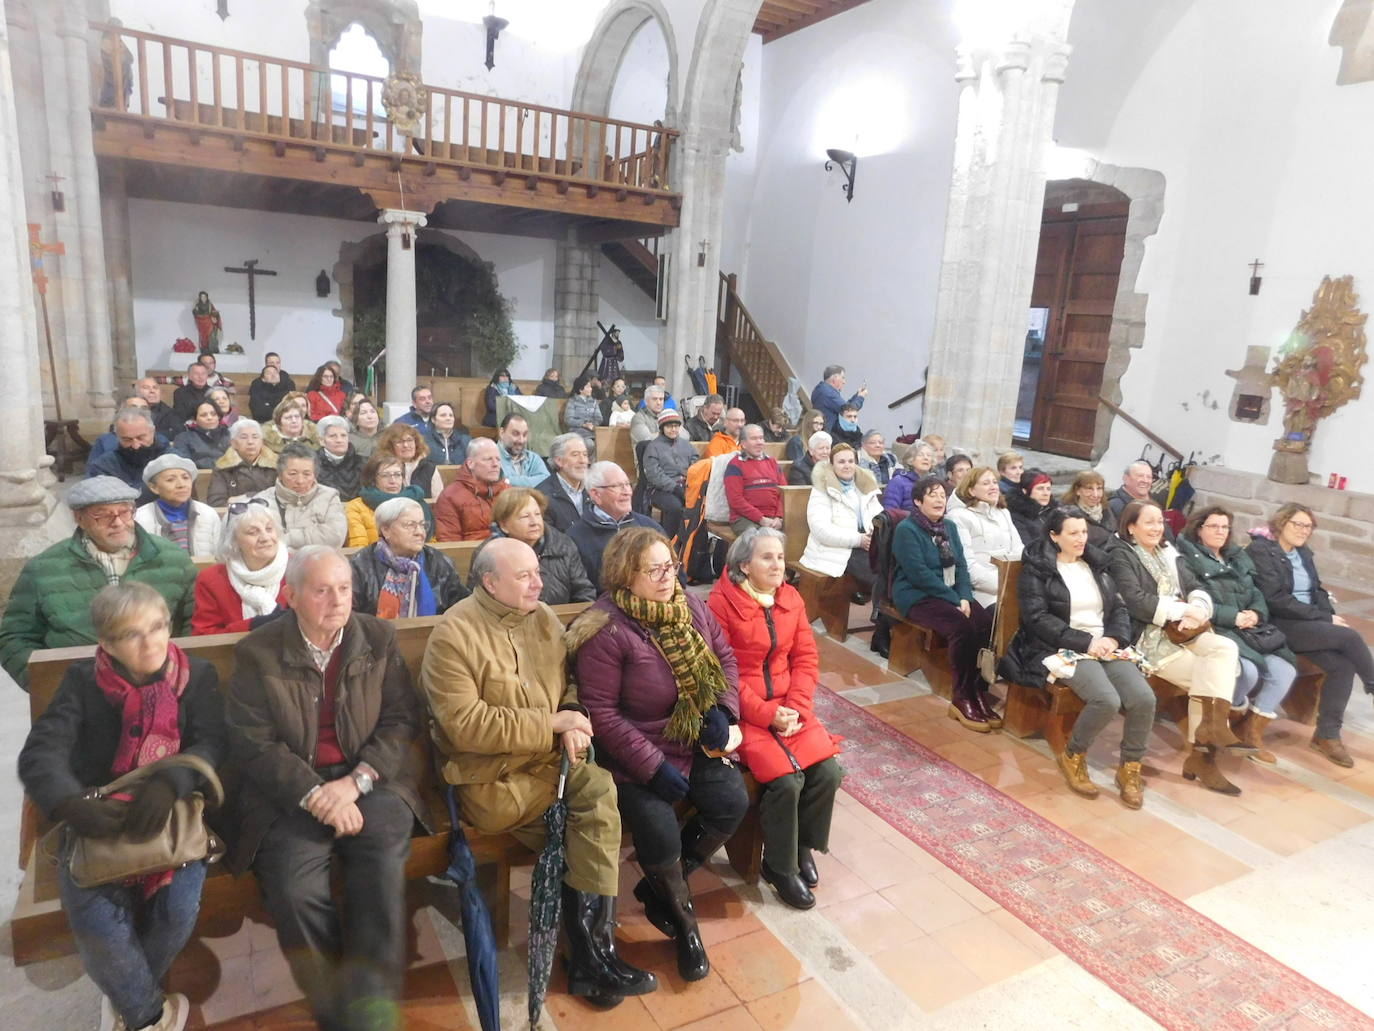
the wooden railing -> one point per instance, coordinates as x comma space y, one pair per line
740, 343
157, 80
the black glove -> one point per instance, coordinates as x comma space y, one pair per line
258, 621
715, 729
92, 817
148, 812
667, 783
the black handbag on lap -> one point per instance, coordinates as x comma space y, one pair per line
1265, 638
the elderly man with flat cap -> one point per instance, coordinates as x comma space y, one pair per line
50, 606
495, 674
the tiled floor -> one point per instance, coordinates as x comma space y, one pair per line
897, 940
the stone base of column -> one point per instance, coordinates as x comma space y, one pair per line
31, 520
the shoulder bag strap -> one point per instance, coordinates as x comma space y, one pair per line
193, 762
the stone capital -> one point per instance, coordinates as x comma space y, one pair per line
965, 64
1056, 62
396, 219
1016, 55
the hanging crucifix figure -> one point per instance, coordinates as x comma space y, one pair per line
251, 270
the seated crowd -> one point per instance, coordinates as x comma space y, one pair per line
680, 691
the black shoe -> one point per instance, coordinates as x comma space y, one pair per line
669, 884
882, 638
858, 598
806, 867
789, 888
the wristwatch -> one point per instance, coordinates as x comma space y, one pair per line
363, 782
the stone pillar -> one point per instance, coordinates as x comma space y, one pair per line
119, 261
26, 503
576, 304
401, 243
992, 233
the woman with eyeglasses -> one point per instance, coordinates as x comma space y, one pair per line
1239, 611
383, 479
244, 589
1301, 608
139, 699
519, 512
289, 424
400, 575
659, 680
786, 747
405, 442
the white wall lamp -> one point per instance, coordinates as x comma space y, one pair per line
848, 164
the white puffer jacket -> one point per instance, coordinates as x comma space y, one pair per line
205, 526
833, 522
986, 533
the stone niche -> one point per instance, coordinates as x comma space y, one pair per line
1344, 540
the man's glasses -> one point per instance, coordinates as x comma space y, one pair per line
662, 571
109, 516
616, 486
237, 508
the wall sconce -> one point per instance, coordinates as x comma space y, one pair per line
322, 284
1255, 278
848, 164
494, 26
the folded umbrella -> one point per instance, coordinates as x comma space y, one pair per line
477, 932
546, 895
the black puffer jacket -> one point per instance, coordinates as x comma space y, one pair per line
1028, 517
369, 573
345, 475
560, 567
1045, 626
1275, 575
1138, 588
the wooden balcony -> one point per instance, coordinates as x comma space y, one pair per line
204, 124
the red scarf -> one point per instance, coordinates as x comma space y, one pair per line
149, 728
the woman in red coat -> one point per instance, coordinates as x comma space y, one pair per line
245, 588
324, 393
786, 747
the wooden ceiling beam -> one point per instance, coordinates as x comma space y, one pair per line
805, 21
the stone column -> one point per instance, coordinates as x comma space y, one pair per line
26, 503
119, 261
576, 304
401, 242
992, 233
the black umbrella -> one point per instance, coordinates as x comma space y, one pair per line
546, 895
477, 932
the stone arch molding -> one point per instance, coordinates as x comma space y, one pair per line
394, 24
605, 50
1145, 189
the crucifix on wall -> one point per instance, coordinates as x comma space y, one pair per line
251, 270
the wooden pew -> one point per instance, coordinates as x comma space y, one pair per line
38, 926
459, 553
772, 450
202, 485
613, 444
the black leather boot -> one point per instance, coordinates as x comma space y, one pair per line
882, 637
669, 884
594, 969
791, 889
806, 866
698, 845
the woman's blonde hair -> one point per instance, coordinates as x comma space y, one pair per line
115, 606
513, 500
1086, 478
389, 436
964, 489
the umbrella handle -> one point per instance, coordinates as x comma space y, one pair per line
564, 765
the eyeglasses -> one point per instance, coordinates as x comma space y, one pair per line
237, 508
1301, 526
660, 572
1220, 527
615, 486
410, 525
110, 515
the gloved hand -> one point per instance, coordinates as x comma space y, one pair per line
148, 812
258, 621
667, 783
715, 729
92, 817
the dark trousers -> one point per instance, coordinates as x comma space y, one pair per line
349, 968
795, 811
1342, 654
670, 504
964, 634
860, 570
716, 791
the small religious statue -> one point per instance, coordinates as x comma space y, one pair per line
612, 354
1319, 369
208, 323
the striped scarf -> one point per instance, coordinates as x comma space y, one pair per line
700, 679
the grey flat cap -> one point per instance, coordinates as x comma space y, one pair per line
164, 462
100, 490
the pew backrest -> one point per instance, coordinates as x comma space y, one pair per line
459, 553
1008, 604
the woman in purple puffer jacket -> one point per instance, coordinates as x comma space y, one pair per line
659, 680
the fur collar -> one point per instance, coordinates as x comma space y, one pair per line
584, 628
823, 477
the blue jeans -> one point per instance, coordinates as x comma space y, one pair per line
1274, 678
127, 943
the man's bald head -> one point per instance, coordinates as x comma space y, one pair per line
508, 570
734, 422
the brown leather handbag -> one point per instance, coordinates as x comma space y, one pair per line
184, 840
1174, 631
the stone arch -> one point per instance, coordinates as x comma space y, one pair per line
394, 24
605, 50
371, 251
1144, 188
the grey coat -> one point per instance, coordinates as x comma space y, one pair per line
666, 462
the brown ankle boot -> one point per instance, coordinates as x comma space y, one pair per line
1131, 786
1075, 771
1251, 731
1214, 728
1201, 764
1334, 749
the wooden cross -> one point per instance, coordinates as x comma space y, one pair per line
251, 270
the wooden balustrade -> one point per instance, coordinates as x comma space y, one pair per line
741, 343
156, 80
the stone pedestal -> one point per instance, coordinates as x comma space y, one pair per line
1289, 467
401, 243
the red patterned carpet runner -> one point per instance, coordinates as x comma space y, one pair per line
1180, 968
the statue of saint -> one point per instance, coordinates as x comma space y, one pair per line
208, 323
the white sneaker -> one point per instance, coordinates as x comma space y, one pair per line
109, 1020
175, 1011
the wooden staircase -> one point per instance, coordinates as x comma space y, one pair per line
741, 344
638, 259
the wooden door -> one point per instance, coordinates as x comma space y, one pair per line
1076, 278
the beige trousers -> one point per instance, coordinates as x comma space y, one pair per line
1206, 668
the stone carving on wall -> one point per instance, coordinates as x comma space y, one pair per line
1319, 368
1250, 399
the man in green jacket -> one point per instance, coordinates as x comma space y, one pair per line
50, 606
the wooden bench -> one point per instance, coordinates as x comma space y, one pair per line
826, 598
915, 647
38, 925
459, 553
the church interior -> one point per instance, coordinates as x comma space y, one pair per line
1091, 231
